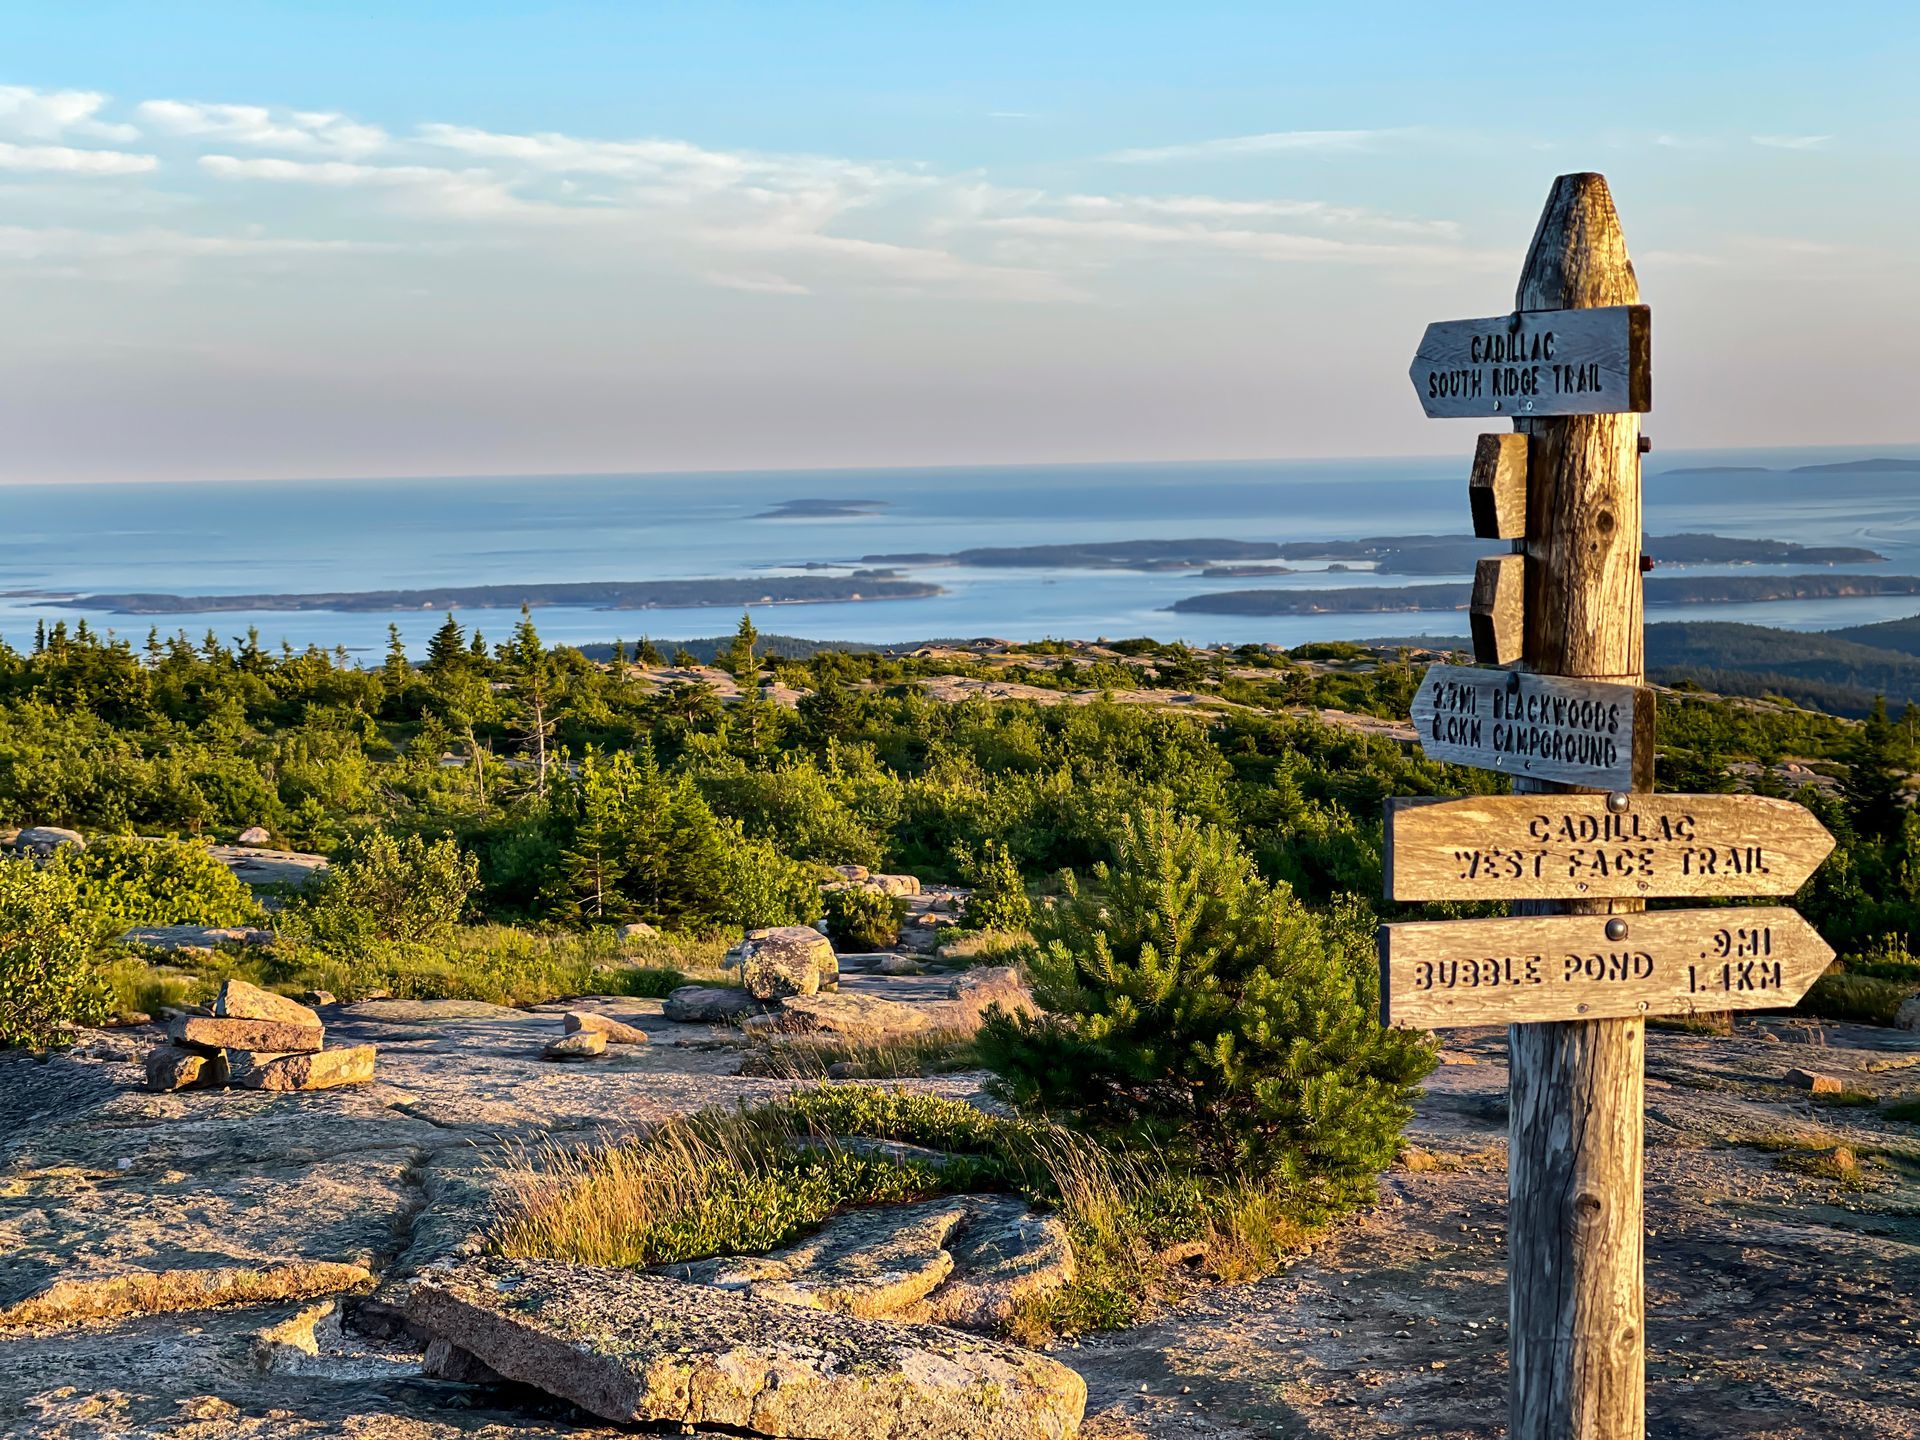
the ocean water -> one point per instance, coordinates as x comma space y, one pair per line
338, 535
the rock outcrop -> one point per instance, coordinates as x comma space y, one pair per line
580, 1045
634, 1348
42, 840
255, 1040
617, 1032
710, 1005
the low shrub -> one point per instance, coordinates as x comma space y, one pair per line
998, 900
859, 919
122, 882
1193, 1008
47, 978
384, 888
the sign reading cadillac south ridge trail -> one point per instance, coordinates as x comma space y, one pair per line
1538, 362
1594, 967
1599, 847
1576, 732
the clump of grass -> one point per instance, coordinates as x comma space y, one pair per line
983, 947
1862, 999
1836, 1162
1907, 1109
756, 1178
934, 1052
500, 964
1846, 1099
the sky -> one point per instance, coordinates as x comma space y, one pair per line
259, 240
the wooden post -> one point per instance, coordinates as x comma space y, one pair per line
1574, 1167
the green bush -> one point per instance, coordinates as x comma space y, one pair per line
386, 889
123, 882
1863, 999
999, 898
47, 981
1193, 1006
860, 919
764, 887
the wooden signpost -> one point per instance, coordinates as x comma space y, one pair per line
1572, 731
1552, 362
1581, 962
1594, 847
1594, 967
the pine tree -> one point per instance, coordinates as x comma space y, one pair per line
447, 650
683, 658
533, 681
1192, 1006
40, 637
738, 657
1873, 784
397, 673
649, 654
478, 649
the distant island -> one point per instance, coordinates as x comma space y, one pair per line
1879, 465
1689, 590
1387, 554
821, 510
862, 585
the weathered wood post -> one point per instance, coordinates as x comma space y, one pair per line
1575, 1091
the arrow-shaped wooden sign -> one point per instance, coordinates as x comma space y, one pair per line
1592, 967
1538, 362
1575, 732
1599, 847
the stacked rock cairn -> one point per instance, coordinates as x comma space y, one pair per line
255, 1040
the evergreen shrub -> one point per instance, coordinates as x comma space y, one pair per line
859, 919
1194, 1007
47, 980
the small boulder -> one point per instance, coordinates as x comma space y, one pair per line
617, 1033
895, 884
43, 840
709, 1004
1814, 1081
852, 872
636, 930
210, 1033
580, 1045
790, 960
317, 997
857, 1017
238, 1000
898, 965
172, 1068
1907, 1017
254, 835
316, 1070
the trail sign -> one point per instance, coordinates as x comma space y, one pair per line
1538, 362
1599, 847
1440, 973
1576, 732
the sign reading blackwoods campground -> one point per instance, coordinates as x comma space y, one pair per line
1436, 973
1576, 732
1538, 362
1599, 847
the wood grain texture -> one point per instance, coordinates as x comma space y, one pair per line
1443, 973
1497, 489
1572, 731
1537, 360
1494, 612
1575, 1128
1590, 847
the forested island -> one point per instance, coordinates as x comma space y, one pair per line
1384, 554
1660, 590
592, 594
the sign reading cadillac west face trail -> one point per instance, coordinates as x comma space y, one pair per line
1576, 732
1594, 967
1538, 362
1599, 847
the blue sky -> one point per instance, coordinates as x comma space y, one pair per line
268, 240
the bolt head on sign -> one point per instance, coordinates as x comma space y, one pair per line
1537, 362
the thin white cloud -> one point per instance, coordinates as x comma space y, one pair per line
1272, 143
469, 194
23, 242
267, 127
65, 160
1791, 142
56, 114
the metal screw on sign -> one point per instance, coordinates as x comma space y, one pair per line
1618, 801
1616, 929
